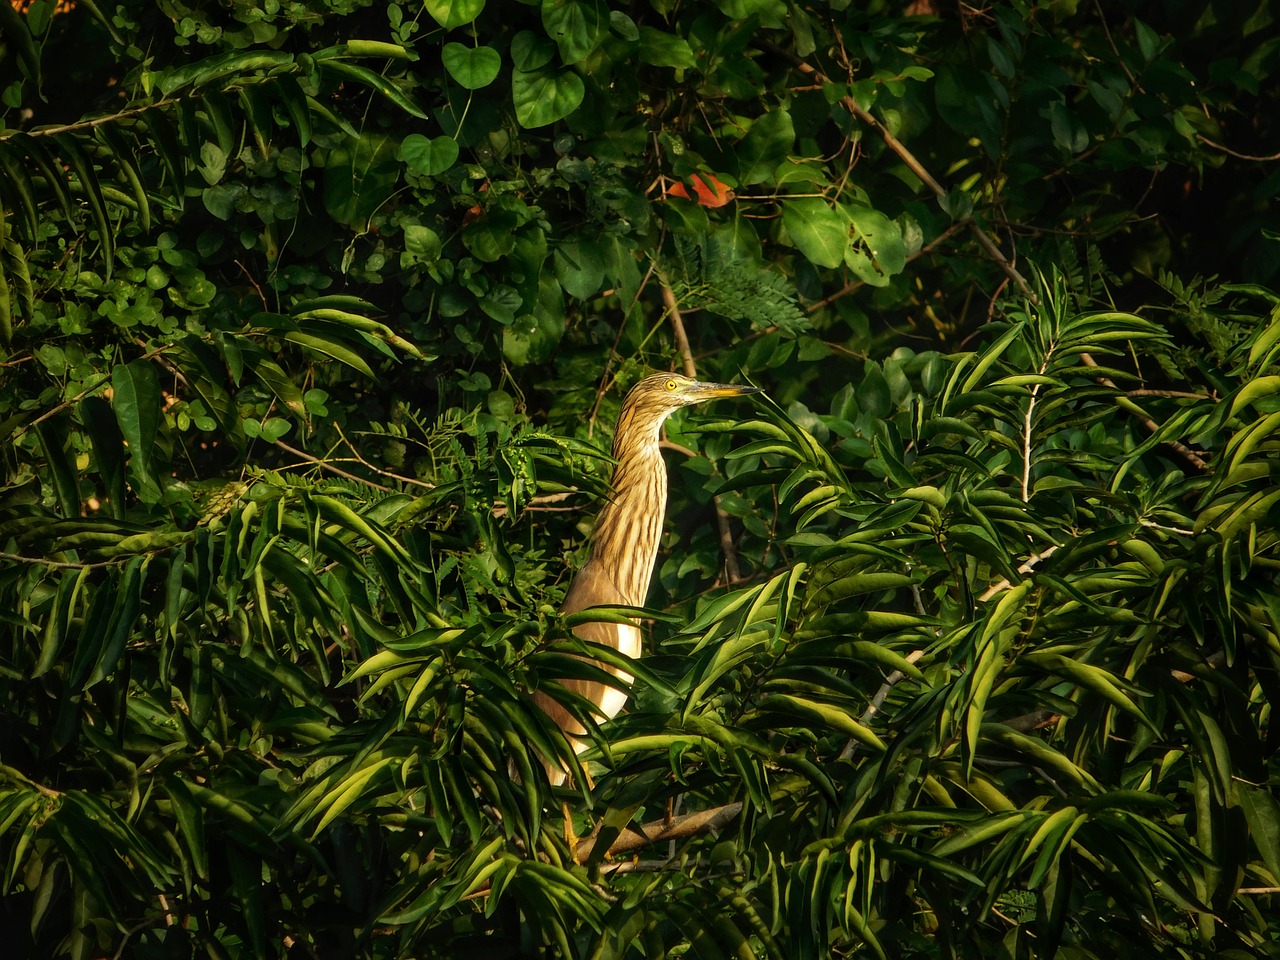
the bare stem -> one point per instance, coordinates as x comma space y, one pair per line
1003, 585
1026, 443
731, 570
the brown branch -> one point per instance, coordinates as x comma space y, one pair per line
731, 570
913, 164
677, 329
1128, 405
65, 405
877, 702
1239, 156
663, 830
378, 470
1003, 585
1178, 394
605, 379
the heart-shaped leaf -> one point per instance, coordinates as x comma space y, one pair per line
471, 67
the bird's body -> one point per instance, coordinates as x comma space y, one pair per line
624, 545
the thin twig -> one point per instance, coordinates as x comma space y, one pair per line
877, 702
65, 405
326, 465
67, 564
677, 329
1177, 394
90, 124
1003, 585
731, 570
1126, 404
413, 482
1239, 156
1026, 443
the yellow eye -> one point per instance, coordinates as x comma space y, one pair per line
671, 384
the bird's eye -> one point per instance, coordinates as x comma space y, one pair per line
671, 384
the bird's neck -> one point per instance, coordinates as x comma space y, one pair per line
628, 528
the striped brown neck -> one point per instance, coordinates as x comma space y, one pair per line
630, 524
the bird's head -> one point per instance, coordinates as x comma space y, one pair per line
662, 393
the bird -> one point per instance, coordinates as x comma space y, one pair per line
624, 542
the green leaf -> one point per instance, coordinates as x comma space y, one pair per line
279, 383
289, 92
53, 437
126, 607
136, 401
472, 67
331, 347
545, 96
454, 13
662, 49
165, 140
820, 232
767, 144
17, 32
428, 158
17, 180
92, 189
374, 81
261, 122
222, 65
108, 451
877, 252
580, 267
577, 26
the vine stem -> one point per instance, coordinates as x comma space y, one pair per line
661, 831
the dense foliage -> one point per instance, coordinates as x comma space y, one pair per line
314, 315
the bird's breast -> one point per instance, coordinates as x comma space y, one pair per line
628, 642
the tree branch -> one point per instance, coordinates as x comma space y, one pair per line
661, 831
1126, 404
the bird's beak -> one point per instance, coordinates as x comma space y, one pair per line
699, 390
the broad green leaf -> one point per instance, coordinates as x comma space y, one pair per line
767, 144
428, 157
577, 26
91, 187
454, 13
545, 96
136, 401
877, 252
472, 67
375, 81
818, 230
222, 65
662, 49
580, 266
